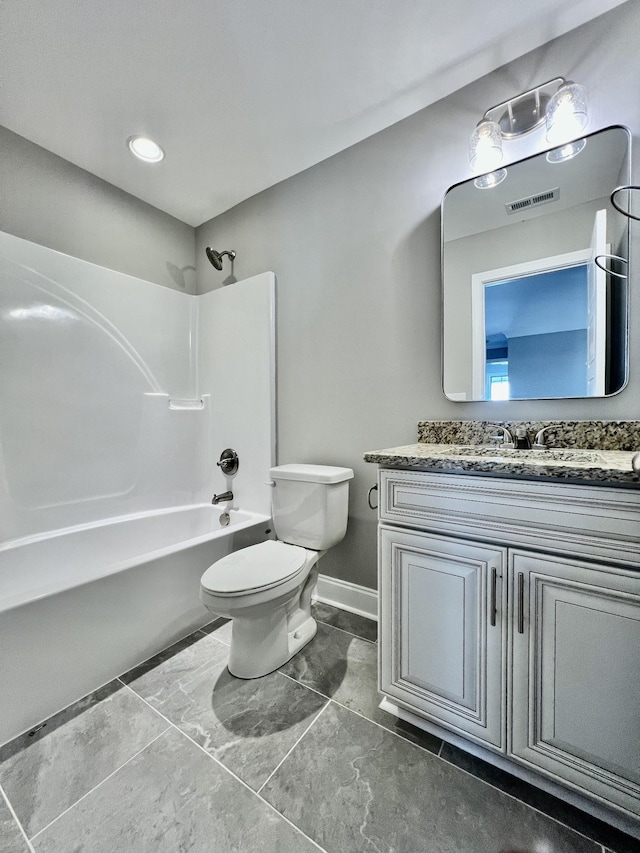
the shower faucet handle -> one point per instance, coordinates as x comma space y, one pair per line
229, 461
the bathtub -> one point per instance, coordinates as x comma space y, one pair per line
80, 606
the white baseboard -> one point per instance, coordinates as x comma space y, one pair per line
347, 596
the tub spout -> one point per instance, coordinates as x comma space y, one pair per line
222, 497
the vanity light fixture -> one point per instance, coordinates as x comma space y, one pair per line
559, 103
566, 113
485, 146
145, 149
490, 179
566, 152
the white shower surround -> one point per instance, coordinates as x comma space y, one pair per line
118, 396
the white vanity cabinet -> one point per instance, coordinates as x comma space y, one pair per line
444, 638
575, 674
510, 617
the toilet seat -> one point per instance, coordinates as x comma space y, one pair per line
258, 567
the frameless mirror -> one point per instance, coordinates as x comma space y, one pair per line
528, 312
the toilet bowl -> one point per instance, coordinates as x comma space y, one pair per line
266, 589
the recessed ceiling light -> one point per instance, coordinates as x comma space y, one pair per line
145, 149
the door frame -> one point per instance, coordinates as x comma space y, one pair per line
481, 280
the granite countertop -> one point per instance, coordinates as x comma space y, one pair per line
601, 467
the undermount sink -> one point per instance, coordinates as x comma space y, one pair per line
581, 457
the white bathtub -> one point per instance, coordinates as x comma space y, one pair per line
81, 606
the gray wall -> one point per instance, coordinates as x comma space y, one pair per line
355, 245
550, 365
49, 201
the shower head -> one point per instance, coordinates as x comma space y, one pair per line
216, 257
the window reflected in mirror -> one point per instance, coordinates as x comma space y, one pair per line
528, 314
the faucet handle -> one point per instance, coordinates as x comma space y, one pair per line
539, 443
507, 438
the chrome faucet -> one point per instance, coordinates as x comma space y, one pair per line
222, 497
539, 443
507, 438
522, 440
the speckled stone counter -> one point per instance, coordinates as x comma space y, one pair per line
595, 452
591, 435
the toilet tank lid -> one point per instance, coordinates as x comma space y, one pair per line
311, 473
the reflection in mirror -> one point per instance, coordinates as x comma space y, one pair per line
527, 313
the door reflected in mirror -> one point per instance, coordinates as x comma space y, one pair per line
528, 314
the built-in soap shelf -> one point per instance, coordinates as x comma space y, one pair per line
185, 405
178, 404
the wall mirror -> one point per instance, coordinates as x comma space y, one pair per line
527, 312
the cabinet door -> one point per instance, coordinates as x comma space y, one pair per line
442, 630
576, 674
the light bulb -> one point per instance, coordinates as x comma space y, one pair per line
566, 113
485, 147
566, 152
490, 179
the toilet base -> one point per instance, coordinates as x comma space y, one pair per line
241, 667
262, 643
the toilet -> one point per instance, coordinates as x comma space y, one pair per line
266, 589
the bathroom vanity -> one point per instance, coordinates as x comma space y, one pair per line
509, 590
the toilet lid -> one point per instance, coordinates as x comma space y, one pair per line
256, 567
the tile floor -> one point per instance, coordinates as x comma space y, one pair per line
177, 755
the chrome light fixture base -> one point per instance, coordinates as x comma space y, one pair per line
525, 112
560, 103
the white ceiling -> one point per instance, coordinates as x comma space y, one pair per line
242, 94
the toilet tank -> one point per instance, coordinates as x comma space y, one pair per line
310, 504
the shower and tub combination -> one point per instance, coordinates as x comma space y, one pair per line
118, 396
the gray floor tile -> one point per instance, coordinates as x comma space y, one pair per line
220, 628
345, 668
412, 733
171, 798
211, 626
78, 748
249, 726
11, 839
170, 670
340, 666
556, 808
353, 787
351, 622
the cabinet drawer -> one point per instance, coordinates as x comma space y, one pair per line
594, 522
